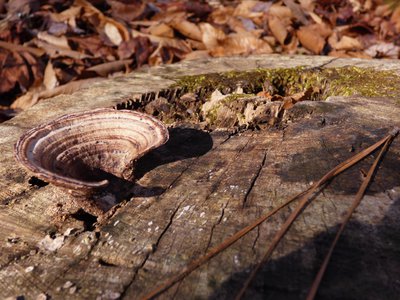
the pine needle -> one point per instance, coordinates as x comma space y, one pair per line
304, 197
356, 202
303, 202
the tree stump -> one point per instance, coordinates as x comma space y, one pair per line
202, 187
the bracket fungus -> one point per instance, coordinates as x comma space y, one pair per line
83, 151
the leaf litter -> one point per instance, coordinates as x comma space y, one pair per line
47, 44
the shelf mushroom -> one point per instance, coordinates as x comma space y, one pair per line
82, 151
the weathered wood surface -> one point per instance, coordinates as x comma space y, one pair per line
201, 188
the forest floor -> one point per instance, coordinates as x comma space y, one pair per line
55, 47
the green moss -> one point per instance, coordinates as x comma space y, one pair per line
345, 81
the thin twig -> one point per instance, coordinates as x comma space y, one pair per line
229, 241
359, 196
302, 203
216, 250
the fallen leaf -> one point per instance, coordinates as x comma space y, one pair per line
54, 51
187, 28
114, 30
113, 33
14, 47
196, 44
278, 29
311, 39
211, 36
297, 11
50, 79
162, 30
129, 10
222, 15
139, 47
241, 44
108, 68
161, 55
384, 50
31, 98
317, 19
395, 18
18, 71
307, 5
198, 54
167, 42
251, 9
282, 12
60, 42
348, 43
93, 45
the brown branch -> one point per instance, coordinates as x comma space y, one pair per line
303, 202
356, 202
229, 241
216, 250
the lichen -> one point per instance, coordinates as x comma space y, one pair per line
344, 81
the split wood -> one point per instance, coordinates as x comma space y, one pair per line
304, 198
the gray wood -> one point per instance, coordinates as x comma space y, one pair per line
202, 188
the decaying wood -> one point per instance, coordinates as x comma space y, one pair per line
199, 189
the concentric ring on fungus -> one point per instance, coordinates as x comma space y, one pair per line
81, 151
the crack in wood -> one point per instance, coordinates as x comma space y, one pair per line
154, 249
254, 179
215, 225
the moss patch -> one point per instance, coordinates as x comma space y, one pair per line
345, 81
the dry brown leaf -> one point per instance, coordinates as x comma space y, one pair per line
187, 28
211, 36
307, 5
311, 39
127, 10
19, 71
27, 100
244, 44
278, 29
169, 16
14, 47
50, 79
348, 43
349, 54
196, 44
94, 45
60, 42
292, 46
145, 23
66, 15
108, 68
32, 97
358, 54
395, 18
383, 10
54, 51
282, 12
162, 30
36, 67
222, 15
198, 54
167, 42
317, 19
113, 33
161, 55
297, 11
246, 9
380, 50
